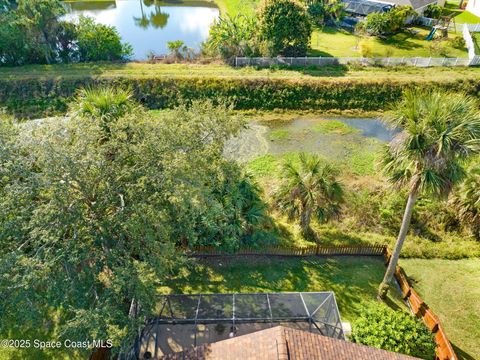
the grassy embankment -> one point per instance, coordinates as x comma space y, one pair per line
143, 70
37, 91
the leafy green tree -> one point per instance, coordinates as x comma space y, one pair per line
439, 132
390, 22
233, 36
285, 27
381, 327
100, 42
466, 201
323, 12
433, 11
310, 189
32, 32
94, 210
14, 44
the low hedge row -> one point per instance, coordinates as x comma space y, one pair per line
42, 97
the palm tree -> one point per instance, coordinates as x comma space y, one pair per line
466, 201
439, 132
310, 189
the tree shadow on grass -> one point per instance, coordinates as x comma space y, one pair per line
353, 280
311, 70
462, 355
401, 41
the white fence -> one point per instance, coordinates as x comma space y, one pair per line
330, 61
473, 27
473, 58
470, 43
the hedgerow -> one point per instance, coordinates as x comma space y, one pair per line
41, 97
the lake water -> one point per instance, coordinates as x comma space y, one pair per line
148, 25
296, 135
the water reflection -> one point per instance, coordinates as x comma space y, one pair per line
157, 19
148, 24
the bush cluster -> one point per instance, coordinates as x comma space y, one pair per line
384, 328
34, 32
390, 22
40, 97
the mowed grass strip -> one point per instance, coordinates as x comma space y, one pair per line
144, 70
452, 289
354, 280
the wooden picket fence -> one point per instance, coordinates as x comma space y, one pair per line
444, 349
317, 250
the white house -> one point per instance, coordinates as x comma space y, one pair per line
474, 7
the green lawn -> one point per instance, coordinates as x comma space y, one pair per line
341, 43
139, 70
353, 279
466, 17
234, 7
452, 290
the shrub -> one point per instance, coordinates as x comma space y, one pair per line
458, 42
175, 48
98, 42
389, 22
433, 11
285, 27
233, 36
384, 328
438, 49
365, 48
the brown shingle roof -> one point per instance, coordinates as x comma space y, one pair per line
284, 343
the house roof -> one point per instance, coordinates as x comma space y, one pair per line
416, 4
365, 7
284, 343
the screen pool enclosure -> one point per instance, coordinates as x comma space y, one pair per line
186, 321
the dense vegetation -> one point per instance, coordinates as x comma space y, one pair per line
280, 28
384, 328
389, 22
33, 32
38, 97
94, 209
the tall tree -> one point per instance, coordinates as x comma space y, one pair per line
310, 190
439, 132
285, 27
40, 20
94, 210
